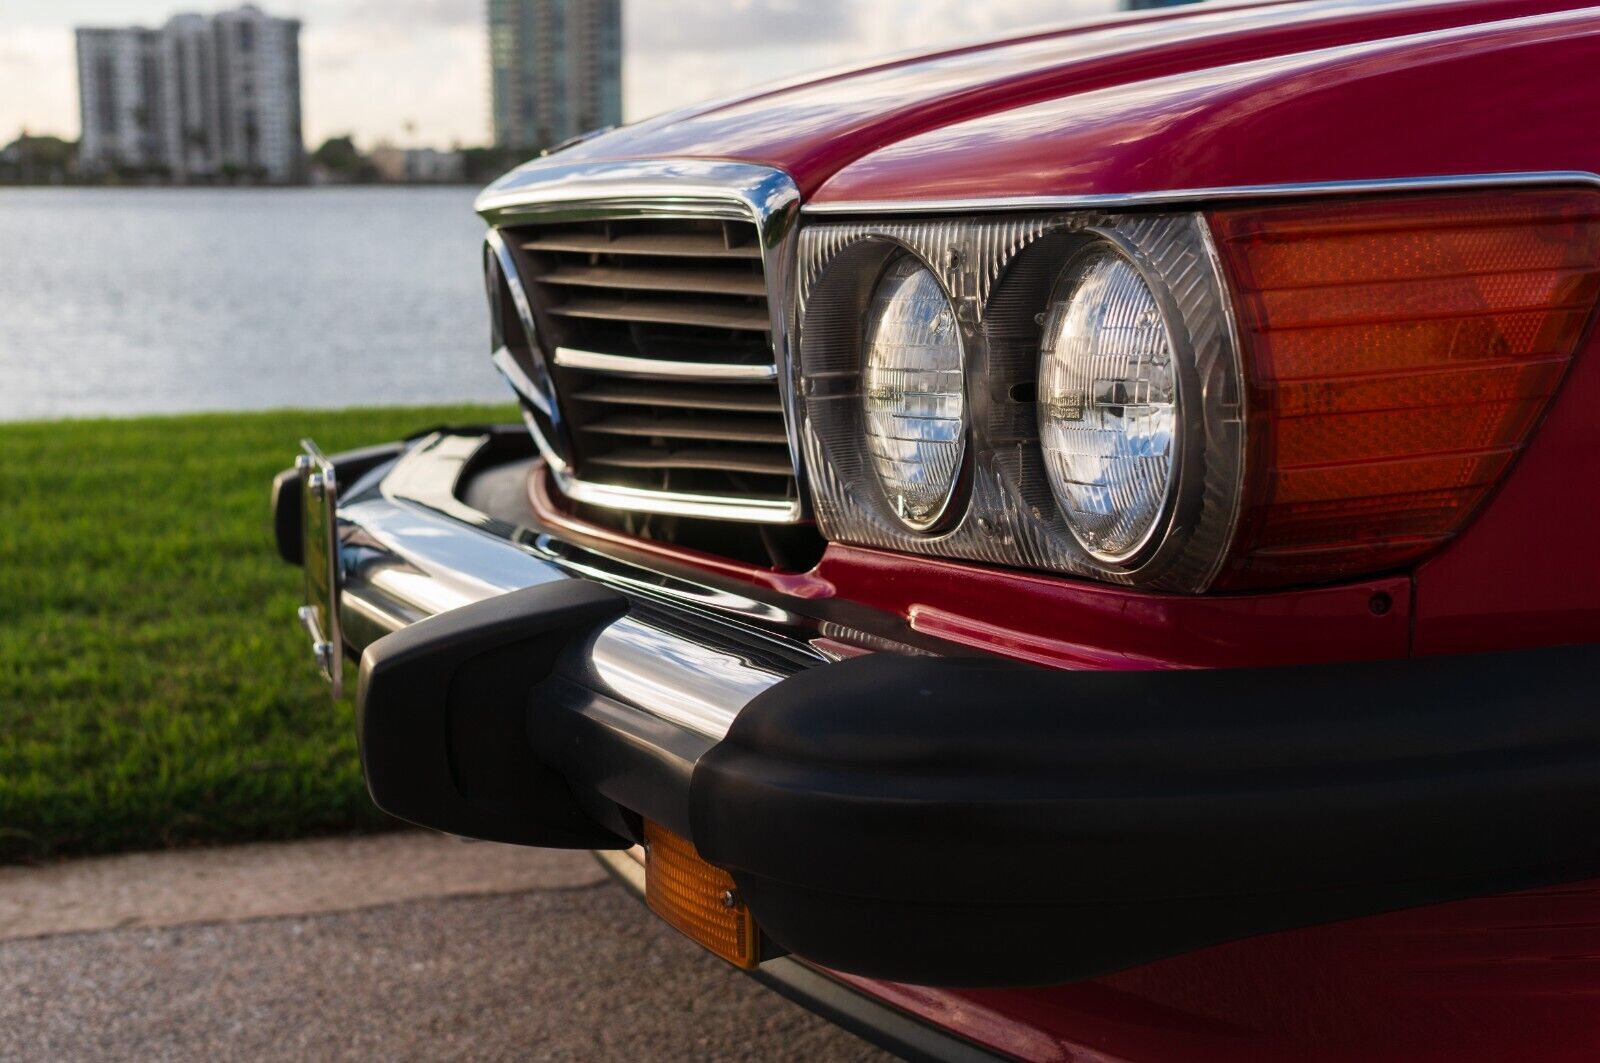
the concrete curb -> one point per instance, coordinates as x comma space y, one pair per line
272, 879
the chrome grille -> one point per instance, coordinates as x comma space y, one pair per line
658, 333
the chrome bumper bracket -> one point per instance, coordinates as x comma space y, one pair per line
319, 500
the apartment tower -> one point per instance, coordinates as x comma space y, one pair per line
555, 69
205, 97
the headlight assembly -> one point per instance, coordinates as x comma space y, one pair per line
1057, 392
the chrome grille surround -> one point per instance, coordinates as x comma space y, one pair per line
648, 198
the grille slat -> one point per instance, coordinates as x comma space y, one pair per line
718, 459
676, 245
702, 313
703, 281
629, 366
659, 335
685, 396
724, 429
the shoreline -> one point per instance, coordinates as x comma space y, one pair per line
92, 419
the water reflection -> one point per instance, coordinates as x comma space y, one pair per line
121, 301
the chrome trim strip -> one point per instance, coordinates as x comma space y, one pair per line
658, 186
526, 389
548, 190
626, 365
1129, 200
533, 386
749, 510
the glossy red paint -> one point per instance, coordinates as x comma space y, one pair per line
1328, 114
1067, 623
1057, 622
1016, 116
1512, 977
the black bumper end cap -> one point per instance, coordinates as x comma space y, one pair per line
287, 521
440, 717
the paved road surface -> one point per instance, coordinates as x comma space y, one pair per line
560, 965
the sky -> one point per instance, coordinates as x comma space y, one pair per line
416, 71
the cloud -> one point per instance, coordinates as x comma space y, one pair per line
899, 25
667, 26
412, 13
678, 59
38, 81
408, 86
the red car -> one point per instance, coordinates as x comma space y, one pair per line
1082, 547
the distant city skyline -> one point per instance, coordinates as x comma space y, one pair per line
416, 72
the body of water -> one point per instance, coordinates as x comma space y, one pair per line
127, 301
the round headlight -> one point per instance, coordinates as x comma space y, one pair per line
913, 394
1108, 406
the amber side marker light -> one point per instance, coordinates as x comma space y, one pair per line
699, 900
1399, 351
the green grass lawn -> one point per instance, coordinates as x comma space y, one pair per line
155, 688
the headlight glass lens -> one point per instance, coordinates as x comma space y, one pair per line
913, 394
1108, 405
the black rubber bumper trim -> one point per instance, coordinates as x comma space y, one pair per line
978, 822
440, 718
617, 753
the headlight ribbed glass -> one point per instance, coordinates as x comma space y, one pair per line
912, 392
1108, 405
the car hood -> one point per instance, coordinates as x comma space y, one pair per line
816, 127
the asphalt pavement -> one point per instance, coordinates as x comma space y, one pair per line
399, 948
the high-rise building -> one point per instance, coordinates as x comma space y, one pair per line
121, 78
555, 69
204, 97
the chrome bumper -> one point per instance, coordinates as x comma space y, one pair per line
688, 653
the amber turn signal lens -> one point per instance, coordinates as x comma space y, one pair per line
1399, 352
698, 899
